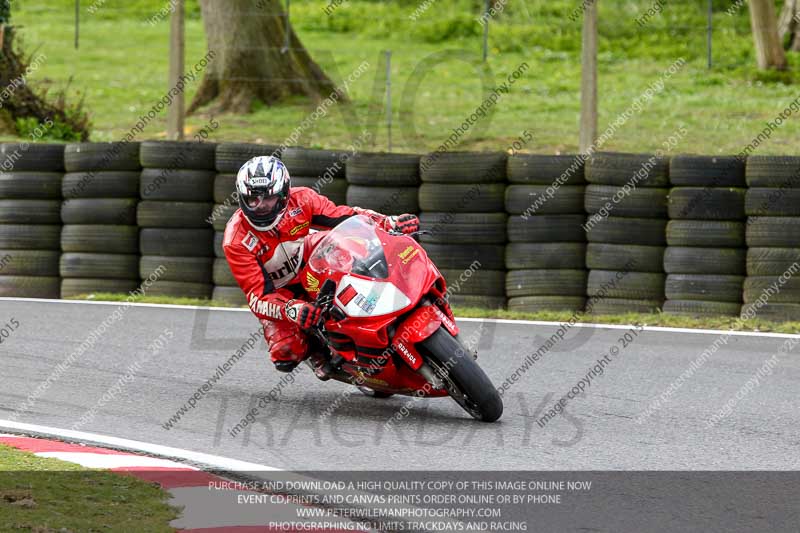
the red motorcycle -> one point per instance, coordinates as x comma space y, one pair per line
386, 326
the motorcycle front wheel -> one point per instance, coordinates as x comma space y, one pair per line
463, 379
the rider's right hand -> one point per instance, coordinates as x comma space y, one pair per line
304, 314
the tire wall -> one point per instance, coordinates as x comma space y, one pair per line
692, 235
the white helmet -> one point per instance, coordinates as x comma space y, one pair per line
263, 185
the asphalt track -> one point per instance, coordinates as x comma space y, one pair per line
603, 429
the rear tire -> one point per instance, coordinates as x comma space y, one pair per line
465, 381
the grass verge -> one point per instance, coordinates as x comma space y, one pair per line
645, 319
48, 495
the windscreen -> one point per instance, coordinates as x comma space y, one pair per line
352, 246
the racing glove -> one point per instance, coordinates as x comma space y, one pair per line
304, 314
404, 223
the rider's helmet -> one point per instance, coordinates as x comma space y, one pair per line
263, 187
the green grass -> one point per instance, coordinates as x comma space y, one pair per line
47, 496
648, 319
121, 70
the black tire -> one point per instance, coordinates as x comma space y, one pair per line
177, 154
221, 214
181, 289
30, 212
225, 188
536, 304
79, 157
703, 203
476, 301
479, 283
456, 198
710, 233
463, 167
387, 200
704, 287
24, 237
218, 237
698, 308
30, 287
535, 169
780, 232
533, 200
177, 184
30, 185
315, 163
33, 156
649, 203
29, 263
773, 171
546, 255
383, 170
173, 214
772, 202
545, 283
463, 228
469, 386
106, 239
773, 312
230, 295
462, 256
710, 171
546, 228
620, 230
72, 287
625, 257
112, 184
334, 190
99, 266
177, 242
231, 156
641, 170
222, 274
625, 285
771, 287
621, 306
696, 260
768, 261
116, 211
188, 269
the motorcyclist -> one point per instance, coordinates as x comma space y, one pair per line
263, 244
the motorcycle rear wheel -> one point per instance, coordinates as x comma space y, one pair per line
464, 380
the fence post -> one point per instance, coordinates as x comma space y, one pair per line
287, 40
175, 115
389, 98
710, 28
588, 125
77, 21
486, 31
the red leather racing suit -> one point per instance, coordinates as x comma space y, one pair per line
266, 263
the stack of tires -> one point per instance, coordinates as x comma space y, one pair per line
321, 170
386, 183
705, 255
229, 159
546, 253
627, 204
462, 203
772, 286
174, 216
30, 223
100, 242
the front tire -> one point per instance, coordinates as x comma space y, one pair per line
464, 380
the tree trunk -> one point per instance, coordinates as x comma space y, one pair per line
788, 24
252, 61
769, 51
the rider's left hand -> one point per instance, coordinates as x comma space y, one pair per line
405, 223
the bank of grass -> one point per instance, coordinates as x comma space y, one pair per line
48, 496
121, 70
645, 319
